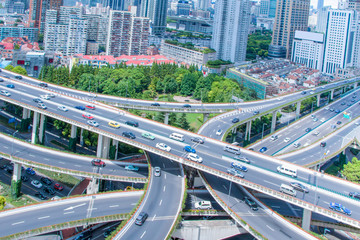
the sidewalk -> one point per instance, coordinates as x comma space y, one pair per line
81, 187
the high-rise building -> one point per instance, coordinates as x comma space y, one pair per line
308, 49
230, 29
291, 15
156, 10
320, 4
353, 4
37, 12
127, 34
322, 19
340, 39
268, 8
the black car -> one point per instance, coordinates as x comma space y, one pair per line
1, 80
49, 190
129, 135
338, 122
235, 120
299, 187
18, 77
256, 112
141, 218
337, 111
24, 178
155, 104
303, 92
37, 100
132, 123
40, 195
355, 195
197, 140
343, 103
46, 180
186, 106
307, 129
9, 168
323, 144
251, 203
43, 84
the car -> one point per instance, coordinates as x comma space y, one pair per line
242, 159
40, 195
323, 144
327, 108
189, 149
343, 103
42, 106
37, 100
43, 84
203, 205
312, 116
9, 168
339, 208
286, 139
338, 122
333, 126
24, 178
129, 135
148, 135
186, 106
131, 168
46, 180
36, 183
354, 96
132, 123
315, 133
349, 104
163, 147
63, 108
80, 108
1, 80
155, 104
219, 132
315, 119
251, 203
256, 112
98, 162
50, 95
354, 195
58, 187
238, 166
90, 106
5, 93
10, 85
322, 120
235, 120
234, 172
49, 190
157, 171
197, 140
308, 129
331, 110
30, 171
273, 137
93, 123
18, 77
303, 92
46, 97
263, 149
337, 111
88, 116
296, 145
312, 92
141, 218
114, 124
194, 157
299, 187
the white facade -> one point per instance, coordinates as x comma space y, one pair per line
230, 29
340, 39
308, 49
322, 19
77, 33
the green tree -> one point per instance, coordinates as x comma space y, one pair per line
9, 67
160, 117
2, 202
188, 84
172, 119
352, 170
183, 123
19, 70
16, 47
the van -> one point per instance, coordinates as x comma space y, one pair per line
273, 137
132, 123
177, 136
284, 188
203, 205
232, 149
287, 170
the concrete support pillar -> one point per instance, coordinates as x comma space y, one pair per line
248, 130
81, 137
206, 117
73, 138
35, 128
100, 146
42, 129
166, 119
25, 121
16, 181
298, 105
332, 94
115, 143
343, 89
273, 121
93, 186
306, 220
355, 85
318, 100
106, 147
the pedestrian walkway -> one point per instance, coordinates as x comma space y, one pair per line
81, 187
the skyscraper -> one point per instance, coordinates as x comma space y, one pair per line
291, 15
156, 10
37, 12
230, 29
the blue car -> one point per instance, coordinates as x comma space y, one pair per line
339, 208
80, 107
189, 149
263, 149
131, 168
30, 171
238, 166
10, 86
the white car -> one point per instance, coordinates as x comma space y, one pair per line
194, 157
203, 205
5, 93
93, 123
157, 171
36, 183
163, 147
287, 139
219, 132
46, 97
327, 108
322, 120
51, 95
63, 108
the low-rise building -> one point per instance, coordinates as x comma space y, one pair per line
30, 33
31, 61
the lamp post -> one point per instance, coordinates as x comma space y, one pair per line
262, 134
12, 145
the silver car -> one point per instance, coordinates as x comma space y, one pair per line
157, 171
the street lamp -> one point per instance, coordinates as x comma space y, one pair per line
12, 145
262, 134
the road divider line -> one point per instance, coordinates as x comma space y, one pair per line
17, 223
69, 212
143, 235
44, 217
112, 206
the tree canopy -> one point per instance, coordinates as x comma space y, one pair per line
352, 170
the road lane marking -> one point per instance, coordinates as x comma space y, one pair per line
164, 188
44, 217
143, 235
31, 155
153, 217
46, 159
17, 223
61, 162
165, 176
69, 212
114, 206
270, 228
275, 206
72, 207
160, 202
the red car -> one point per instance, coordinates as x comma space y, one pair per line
58, 187
88, 116
98, 162
90, 106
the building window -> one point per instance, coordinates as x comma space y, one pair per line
20, 62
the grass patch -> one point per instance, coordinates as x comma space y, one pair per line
59, 144
20, 201
66, 179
